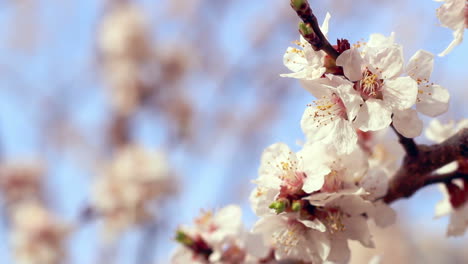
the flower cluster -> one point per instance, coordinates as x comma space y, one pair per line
129, 185
312, 202
124, 45
37, 236
220, 238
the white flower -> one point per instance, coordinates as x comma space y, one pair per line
306, 63
338, 171
219, 238
432, 99
454, 15
342, 213
123, 33
329, 119
284, 171
135, 178
37, 236
293, 238
375, 71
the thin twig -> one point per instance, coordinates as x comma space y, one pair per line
314, 35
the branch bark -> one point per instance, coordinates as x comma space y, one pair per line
416, 171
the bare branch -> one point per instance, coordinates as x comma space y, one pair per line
415, 172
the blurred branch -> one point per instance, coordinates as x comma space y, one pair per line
415, 172
310, 29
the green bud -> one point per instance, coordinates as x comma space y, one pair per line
296, 206
305, 29
278, 206
297, 4
183, 238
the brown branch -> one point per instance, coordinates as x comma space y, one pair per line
408, 144
445, 178
310, 29
415, 171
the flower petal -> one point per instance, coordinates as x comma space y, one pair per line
373, 115
407, 123
389, 61
351, 62
433, 100
420, 65
400, 93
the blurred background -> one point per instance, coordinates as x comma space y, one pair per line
195, 81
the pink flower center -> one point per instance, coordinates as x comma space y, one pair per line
292, 185
333, 182
370, 86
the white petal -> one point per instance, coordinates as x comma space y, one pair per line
351, 62
357, 229
383, 214
324, 26
379, 40
315, 224
420, 65
351, 99
315, 178
340, 252
295, 59
345, 137
389, 61
400, 93
312, 128
407, 123
373, 115
433, 100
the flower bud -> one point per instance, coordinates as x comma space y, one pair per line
298, 5
296, 206
279, 206
183, 238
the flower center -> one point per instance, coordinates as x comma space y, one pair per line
328, 109
333, 221
370, 86
289, 237
333, 182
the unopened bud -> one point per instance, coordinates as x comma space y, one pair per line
305, 29
296, 206
183, 238
298, 4
279, 206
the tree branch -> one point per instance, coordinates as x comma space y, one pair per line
444, 178
310, 29
415, 172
